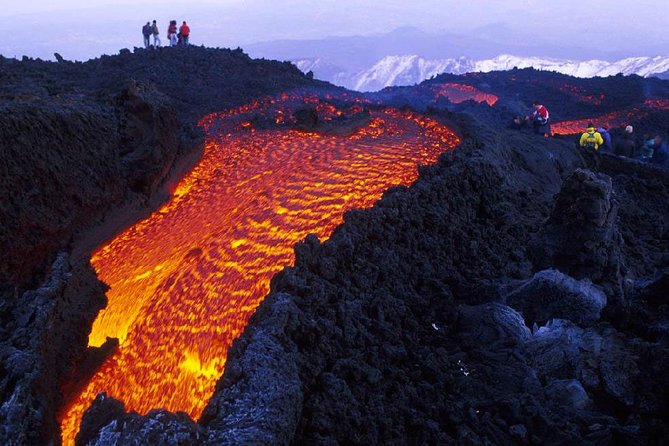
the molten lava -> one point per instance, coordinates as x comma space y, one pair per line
612, 120
184, 282
580, 94
457, 93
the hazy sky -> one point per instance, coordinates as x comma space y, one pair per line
81, 29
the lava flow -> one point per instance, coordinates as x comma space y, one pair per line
184, 282
612, 120
457, 93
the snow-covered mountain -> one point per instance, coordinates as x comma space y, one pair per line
412, 69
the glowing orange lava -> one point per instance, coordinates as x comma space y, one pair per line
185, 281
580, 94
457, 93
611, 120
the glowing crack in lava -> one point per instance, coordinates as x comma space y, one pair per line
612, 120
580, 94
457, 93
185, 281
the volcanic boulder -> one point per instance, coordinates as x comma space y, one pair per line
551, 294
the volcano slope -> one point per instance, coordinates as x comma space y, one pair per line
461, 310
507, 297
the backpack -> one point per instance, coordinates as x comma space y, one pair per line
591, 141
146, 30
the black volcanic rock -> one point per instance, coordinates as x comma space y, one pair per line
47, 334
158, 427
581, 238
550, 295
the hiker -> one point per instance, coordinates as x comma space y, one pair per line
172, 32
155, 32
591, 139
661, 153
540, 119
146, 32
184, 30
625, 145
517, 123
606, 136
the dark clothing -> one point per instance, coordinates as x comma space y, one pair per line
661, 155
541, 129
625, 146
146, 30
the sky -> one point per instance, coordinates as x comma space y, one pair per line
81, 29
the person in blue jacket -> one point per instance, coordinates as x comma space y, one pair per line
606, 136
661, 152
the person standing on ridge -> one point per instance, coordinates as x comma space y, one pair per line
591, 139
184, 30
172, 33
146, 32
540, 119
625, 146
606, 136
155, 32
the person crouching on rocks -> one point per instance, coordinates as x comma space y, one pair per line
155, 32
625, 145
184, 30
172, 32
540, 119
146, 32
591, 139
661, 152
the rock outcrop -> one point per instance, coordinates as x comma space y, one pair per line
581, 238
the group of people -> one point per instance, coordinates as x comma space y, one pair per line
653, 149
174, 36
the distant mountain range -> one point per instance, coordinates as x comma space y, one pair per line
413, 69
408, 55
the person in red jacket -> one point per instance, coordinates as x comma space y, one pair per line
540, 119
184, 30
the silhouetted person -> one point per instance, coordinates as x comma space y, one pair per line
517, 123
661, 153
146, 32
625, 145
155, 32
184, 30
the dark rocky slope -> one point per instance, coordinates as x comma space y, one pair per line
475, 307
81, 144
415, 323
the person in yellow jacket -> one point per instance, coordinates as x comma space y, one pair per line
591, 139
